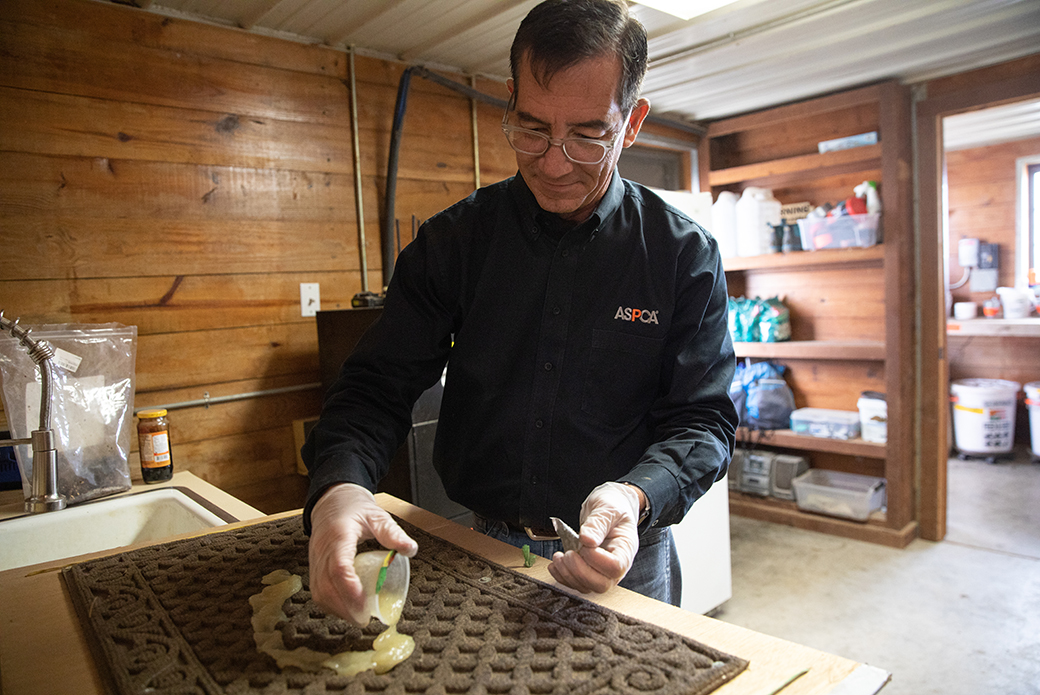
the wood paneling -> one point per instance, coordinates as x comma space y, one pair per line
983, 192
186, 178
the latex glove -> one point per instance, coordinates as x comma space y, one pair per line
609, 541
344, 516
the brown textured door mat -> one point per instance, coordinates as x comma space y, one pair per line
175, 618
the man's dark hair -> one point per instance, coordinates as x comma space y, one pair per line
558, 34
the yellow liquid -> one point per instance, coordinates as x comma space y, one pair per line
390, 647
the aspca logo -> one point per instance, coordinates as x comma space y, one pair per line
630, 314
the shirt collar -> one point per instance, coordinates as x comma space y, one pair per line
529, 208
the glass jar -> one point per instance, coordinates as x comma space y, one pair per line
153, 437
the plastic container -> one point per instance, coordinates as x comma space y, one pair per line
1016, 303
873, 417
965, 311
1033, 406
847, 231
984, 415
757, 209
848, 495
830, 424
724, 223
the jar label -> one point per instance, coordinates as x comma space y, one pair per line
155, 450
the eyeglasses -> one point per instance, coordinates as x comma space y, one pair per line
578, 150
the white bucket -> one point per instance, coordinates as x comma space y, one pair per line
1033, 406
984, 415
873, 419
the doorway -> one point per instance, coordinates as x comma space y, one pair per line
999, 85
990, 505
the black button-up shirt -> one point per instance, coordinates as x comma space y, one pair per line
575, 355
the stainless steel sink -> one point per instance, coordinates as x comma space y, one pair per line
150, 515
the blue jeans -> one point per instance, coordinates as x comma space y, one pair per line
655, 572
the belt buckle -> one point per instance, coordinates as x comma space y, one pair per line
538, 537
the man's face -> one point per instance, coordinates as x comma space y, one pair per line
578, 102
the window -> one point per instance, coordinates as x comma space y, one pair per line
1027, 254
652, 167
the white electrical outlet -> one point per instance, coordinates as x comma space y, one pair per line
310, 298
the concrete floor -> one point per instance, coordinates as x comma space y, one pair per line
961, 616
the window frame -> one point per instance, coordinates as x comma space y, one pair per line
1027, 219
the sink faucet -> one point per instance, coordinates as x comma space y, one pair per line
43, 487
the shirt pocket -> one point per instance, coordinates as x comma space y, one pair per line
621, 382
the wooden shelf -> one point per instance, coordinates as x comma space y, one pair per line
872, 255
862, 298
874, 530
782, 171
814, 350
790, 440
1002, 328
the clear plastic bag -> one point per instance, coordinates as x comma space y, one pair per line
92, 404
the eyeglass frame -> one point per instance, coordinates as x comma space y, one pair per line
508, 128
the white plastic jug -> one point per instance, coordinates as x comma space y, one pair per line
1016, 303
756, 210
724, 223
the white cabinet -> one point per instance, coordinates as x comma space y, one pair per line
702, 539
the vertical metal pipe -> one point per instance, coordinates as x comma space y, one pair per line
358, 204
476, 140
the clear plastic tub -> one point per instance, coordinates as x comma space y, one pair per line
847, 231
846, 495
830, 424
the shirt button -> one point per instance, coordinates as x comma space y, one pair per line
556, 311
539, 424
548, 366
534, 480
566, 253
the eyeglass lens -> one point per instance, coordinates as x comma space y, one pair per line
582, 151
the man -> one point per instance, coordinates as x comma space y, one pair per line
583, 322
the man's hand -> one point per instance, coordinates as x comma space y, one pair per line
344, 516
609, 540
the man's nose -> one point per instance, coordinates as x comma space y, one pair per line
555, 160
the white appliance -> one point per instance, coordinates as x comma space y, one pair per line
702, 540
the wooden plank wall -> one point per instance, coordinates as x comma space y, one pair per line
186, 179
983, 193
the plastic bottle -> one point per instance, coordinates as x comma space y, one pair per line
153, 437
724, 223
757, 210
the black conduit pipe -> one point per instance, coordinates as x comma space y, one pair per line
389, 246
388, 240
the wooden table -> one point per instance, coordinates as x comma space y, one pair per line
43, 648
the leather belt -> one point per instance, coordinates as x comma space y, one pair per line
540, 534
535, 533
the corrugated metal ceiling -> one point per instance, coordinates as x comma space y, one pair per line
747, 56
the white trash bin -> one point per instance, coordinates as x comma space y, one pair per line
984, 415
1033, 406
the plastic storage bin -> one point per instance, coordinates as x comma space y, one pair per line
847, 231
830, 424
847, 495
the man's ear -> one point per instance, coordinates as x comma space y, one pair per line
509, 85
635, 121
